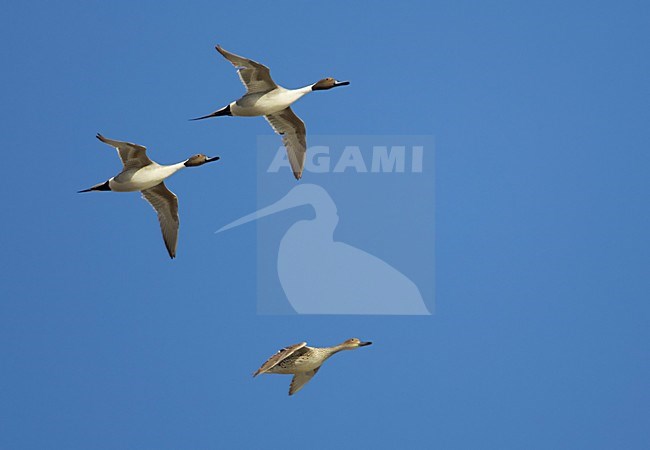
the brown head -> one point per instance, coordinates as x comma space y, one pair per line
199, 160
328, 83
354, 343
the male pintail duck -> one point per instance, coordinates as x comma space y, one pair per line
142, 174
265, 98
303, 362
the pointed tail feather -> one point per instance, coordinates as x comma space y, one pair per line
98, 187
225, 111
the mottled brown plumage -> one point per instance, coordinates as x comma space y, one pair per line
303, 361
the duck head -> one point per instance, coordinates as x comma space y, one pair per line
354, 343
199, 160
328, 83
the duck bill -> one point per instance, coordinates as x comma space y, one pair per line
341, 83
363, 344
214, 158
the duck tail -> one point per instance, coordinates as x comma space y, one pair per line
98, 187
225, 111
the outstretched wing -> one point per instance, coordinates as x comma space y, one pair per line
166, 205
294, 137
255, 76
278, 357
133, 156
300, 379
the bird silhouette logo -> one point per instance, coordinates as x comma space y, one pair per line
320, 275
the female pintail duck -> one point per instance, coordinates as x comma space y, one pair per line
265, 98
142, 174
303, 362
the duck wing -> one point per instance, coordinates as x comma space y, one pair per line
294, 137
133, 156
300, 379
255, 76
166, 205
278, 357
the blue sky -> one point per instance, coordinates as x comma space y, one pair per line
540, 333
